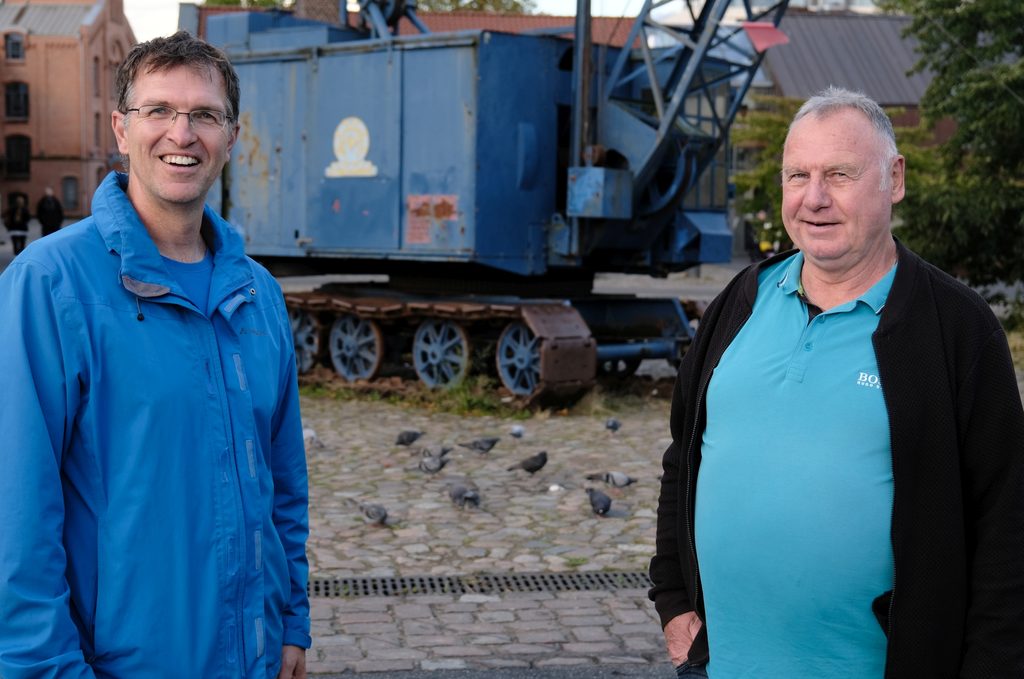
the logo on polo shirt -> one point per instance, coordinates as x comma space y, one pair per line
869, 380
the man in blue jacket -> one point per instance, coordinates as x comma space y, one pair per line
153, 498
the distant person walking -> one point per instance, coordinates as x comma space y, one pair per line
49, 212
16, 220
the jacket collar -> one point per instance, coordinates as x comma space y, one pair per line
909, 264
895, 303
142, 269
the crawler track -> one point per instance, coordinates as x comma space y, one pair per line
537, 349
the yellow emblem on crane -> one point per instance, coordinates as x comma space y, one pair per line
351, 144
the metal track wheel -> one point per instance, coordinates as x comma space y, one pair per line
306, 336
518, 358
357, 347
440, 352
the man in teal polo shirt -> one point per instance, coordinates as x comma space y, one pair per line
844, 494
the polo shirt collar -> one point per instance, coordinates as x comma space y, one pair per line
876, 295
789, 283
789, 275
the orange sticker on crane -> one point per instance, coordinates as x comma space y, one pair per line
425, 211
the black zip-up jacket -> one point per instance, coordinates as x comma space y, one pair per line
957, 435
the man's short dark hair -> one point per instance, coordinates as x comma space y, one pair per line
180, 49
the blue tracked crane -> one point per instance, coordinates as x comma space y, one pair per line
490, 176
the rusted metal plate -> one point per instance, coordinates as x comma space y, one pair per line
554, 320
568, 362
568, 353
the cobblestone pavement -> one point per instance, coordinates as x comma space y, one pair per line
525, 524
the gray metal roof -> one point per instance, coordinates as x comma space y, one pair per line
867, 53
61, 20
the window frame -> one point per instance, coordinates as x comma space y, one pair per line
24, 168
16, 100
70, 198
12, 39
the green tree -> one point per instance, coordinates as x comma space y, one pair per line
964, 208
760, 133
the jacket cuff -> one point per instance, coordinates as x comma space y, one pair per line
671, 604
296, 632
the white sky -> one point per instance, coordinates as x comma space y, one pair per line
153, 18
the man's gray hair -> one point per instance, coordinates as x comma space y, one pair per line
833, 99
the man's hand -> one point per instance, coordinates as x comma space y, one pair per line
293, 663
679, 634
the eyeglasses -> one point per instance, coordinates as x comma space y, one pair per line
199, 119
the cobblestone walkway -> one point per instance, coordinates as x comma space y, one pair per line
524, 524
528, 630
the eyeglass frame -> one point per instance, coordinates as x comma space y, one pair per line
192, 123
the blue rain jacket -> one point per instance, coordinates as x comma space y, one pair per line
153, 493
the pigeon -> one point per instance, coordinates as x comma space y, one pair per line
431, 464
481, 445
407, 437
612, 425
433, 451
516, 431
462, 496
532, 464
311, 439
612, 478
375, 513
599, 502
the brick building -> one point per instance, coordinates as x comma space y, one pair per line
57, 71
604, 30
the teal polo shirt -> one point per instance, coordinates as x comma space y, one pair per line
794, 490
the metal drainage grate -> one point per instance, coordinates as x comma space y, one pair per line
483, 583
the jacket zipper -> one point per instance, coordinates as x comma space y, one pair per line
240, 556
727, 340
691, 520
892, 539
699, 403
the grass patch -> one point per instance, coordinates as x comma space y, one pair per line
576, 561
483, 395
476, 395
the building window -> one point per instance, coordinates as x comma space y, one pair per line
14, 46
19, 151
96, 76
16, 101
69, 192
96, 129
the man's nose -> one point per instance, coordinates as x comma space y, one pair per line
181, 130
816, 194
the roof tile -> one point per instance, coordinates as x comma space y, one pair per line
867, 53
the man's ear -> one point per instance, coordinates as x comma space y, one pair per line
117, 122
233, 138
897, 178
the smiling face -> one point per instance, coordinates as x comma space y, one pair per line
836, 203
172, 166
